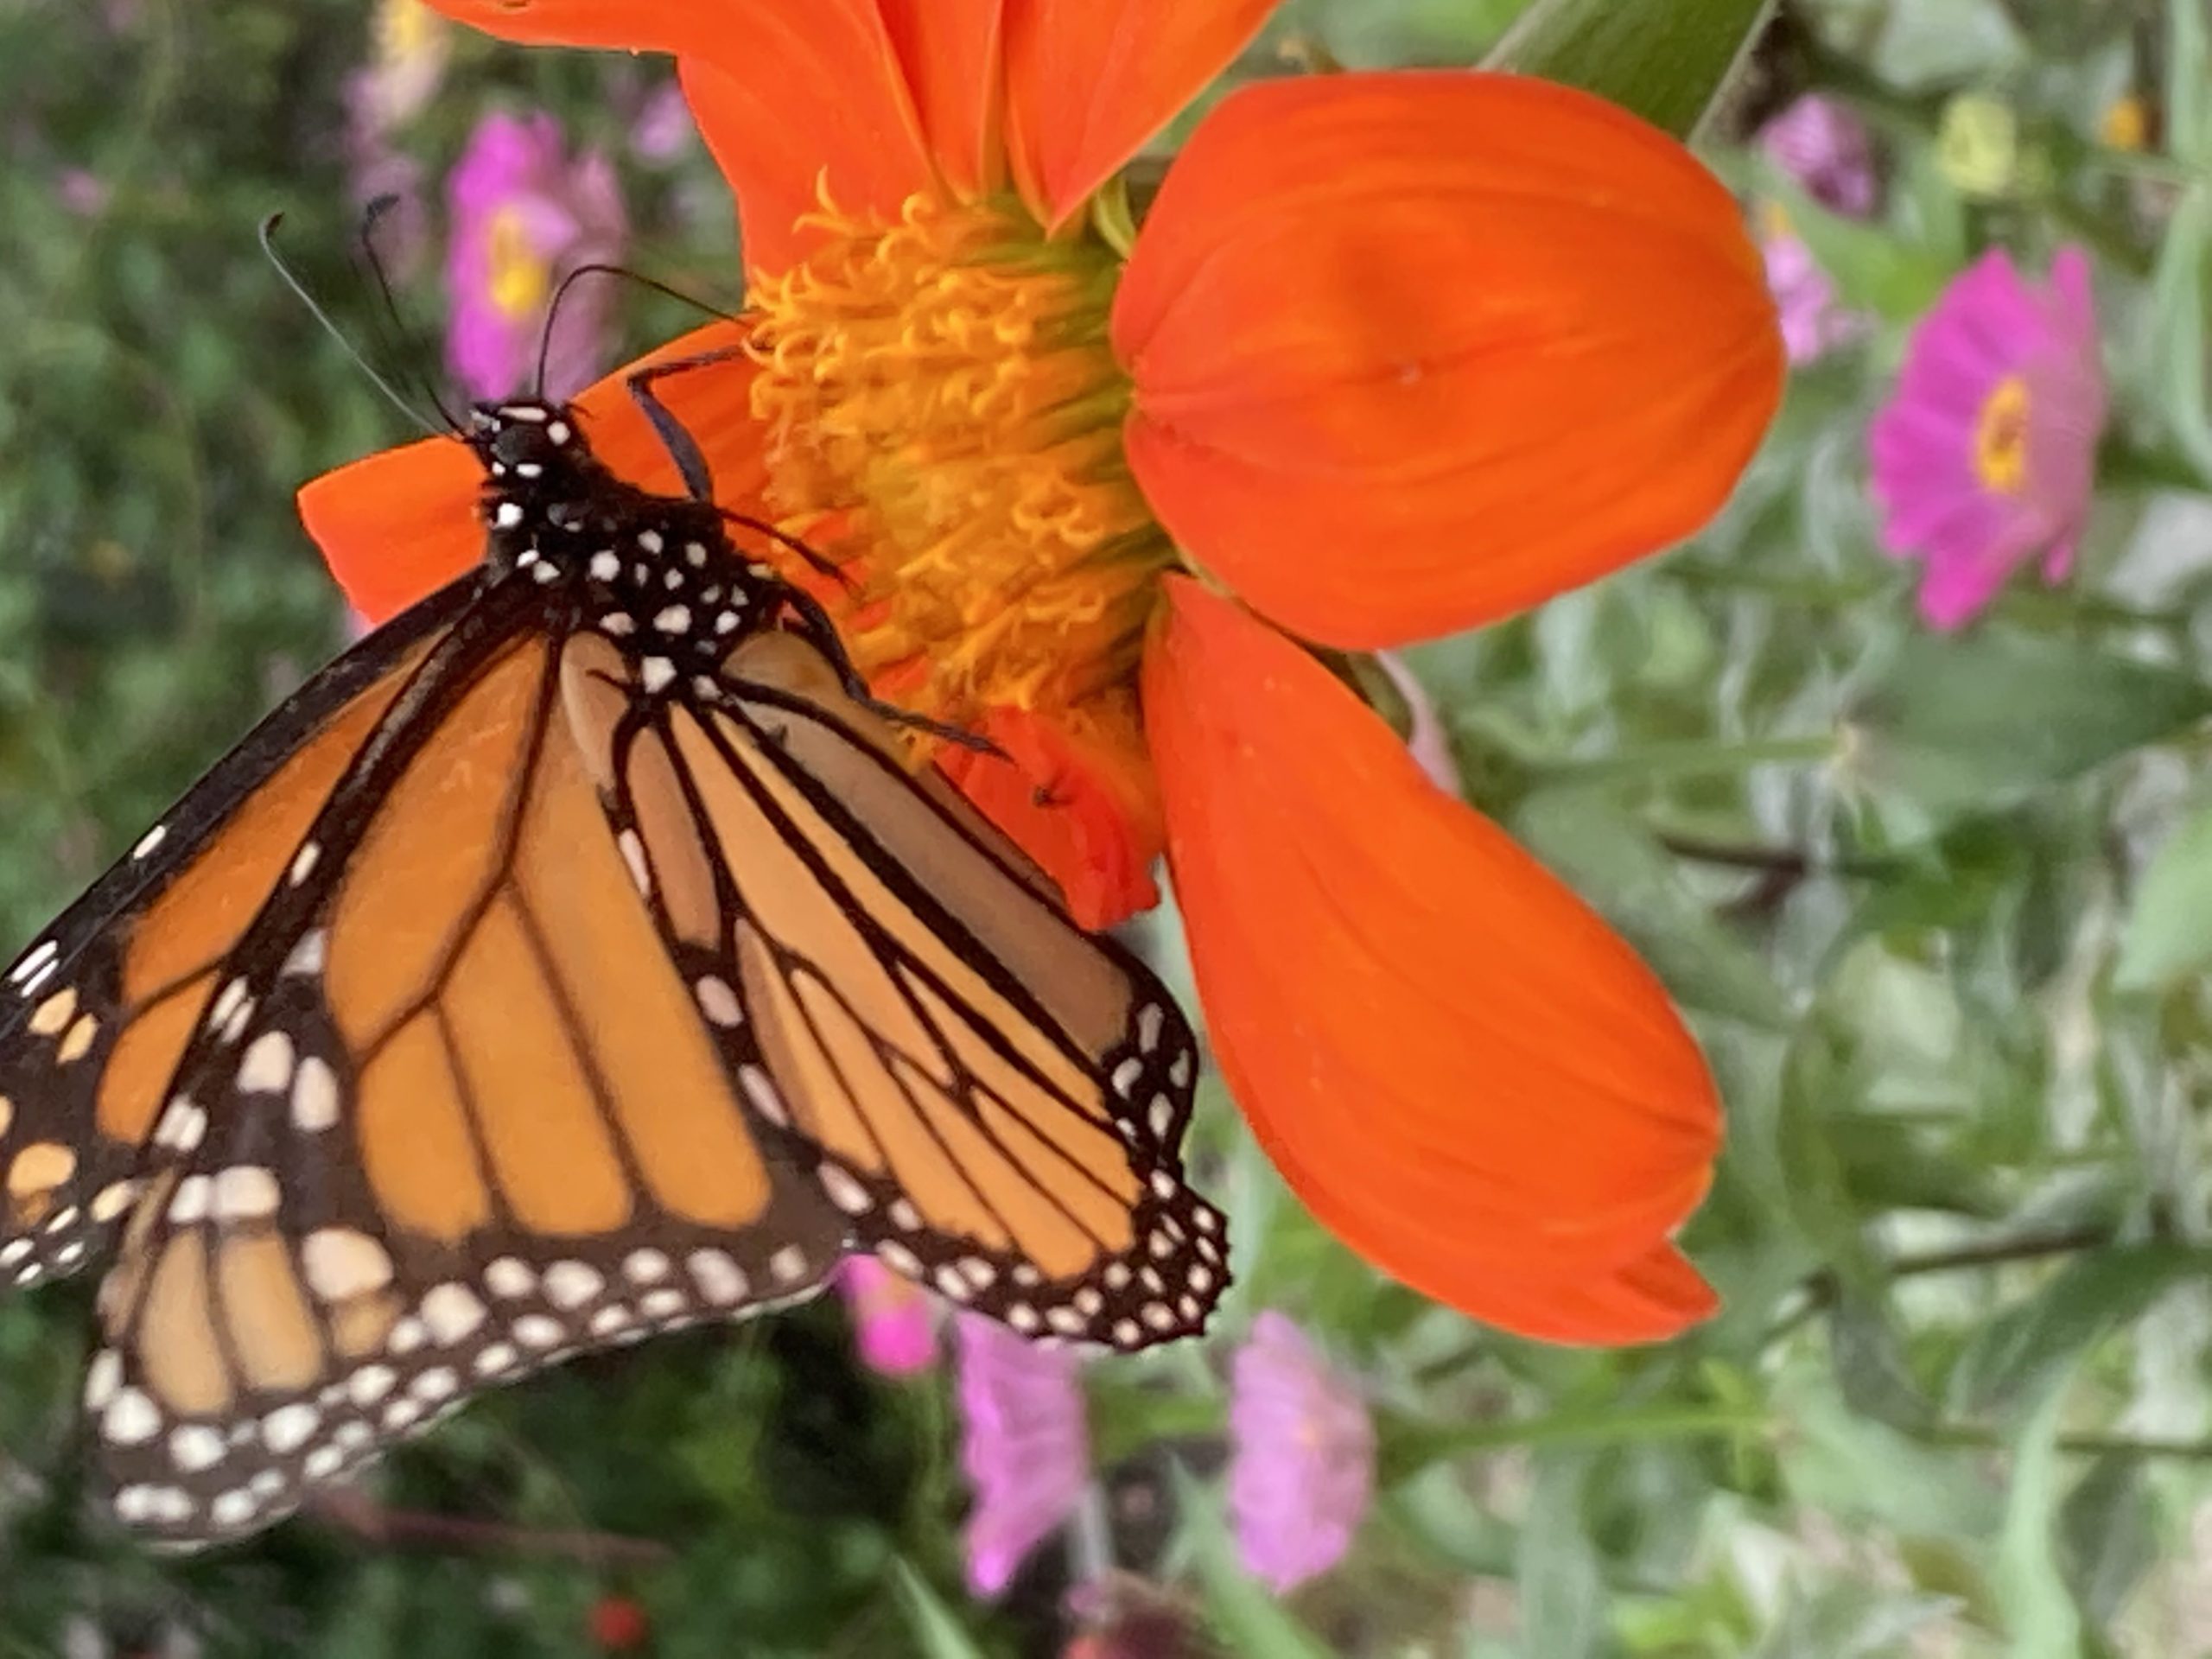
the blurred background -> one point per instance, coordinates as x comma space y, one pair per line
1938, 902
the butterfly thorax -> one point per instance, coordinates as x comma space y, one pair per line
656, 574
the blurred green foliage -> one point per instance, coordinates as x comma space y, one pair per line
1938, 908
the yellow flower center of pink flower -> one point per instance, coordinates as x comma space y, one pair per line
519, 274
945, 416
2000, 439
2126, 123
406, 29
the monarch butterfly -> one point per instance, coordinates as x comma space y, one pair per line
573, 959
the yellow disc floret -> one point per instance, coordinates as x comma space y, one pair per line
945, 416
2000, 441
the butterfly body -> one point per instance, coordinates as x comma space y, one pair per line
577, 958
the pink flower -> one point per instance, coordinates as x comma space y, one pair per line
82, 192
1814, 322
412, 44
1824, 147
523, 214
1427, 739
1985, 455
893, 1324
1023, 1441
1302, 1458
663, 128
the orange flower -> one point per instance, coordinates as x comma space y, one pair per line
1392, 354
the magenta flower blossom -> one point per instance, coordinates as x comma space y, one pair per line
1984, 457
522, 215
411, 45
1815, 321
1302, 1456
663, 130
82, 192
1824, 147
1023, 1441
893, 1325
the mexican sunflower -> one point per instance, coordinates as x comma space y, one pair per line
1386, 356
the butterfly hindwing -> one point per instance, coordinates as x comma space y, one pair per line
995, 1098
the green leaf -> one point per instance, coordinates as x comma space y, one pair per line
2026, 1349
1972, 723
2176, 342
1664, 59
2169, 933
2040, 1615
1868, 1352
1601, 851
2107, 1536
939, 1634
1562, 1594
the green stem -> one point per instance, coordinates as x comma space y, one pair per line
1838, 593
1126, 1420
1409, 1447
2086, 1446
1690, 758
1820, 1289
2072, 607
1776, 860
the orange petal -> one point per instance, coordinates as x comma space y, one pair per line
620, 25
1077, 796
816, 102
950, 50
397, 527
1416, 350
1651, 1298
1462, 1072
790, 98
1087, 84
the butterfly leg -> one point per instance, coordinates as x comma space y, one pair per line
682, 448
817, 628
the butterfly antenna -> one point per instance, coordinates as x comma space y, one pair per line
599, 268
315, 309
401, 334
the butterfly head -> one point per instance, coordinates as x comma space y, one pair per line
525, 439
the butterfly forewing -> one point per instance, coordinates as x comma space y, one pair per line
96, 1013
467, 1124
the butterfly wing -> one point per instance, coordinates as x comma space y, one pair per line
451, 1116
95, 1015
995, 1098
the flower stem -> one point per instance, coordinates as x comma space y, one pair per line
1837, 593
1692, 758
1790, 861
1819, 1289
2086, 1446
1407, 1447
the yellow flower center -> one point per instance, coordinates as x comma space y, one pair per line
945, 416
405, 30
519, 276
2126, 123
2000, 439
